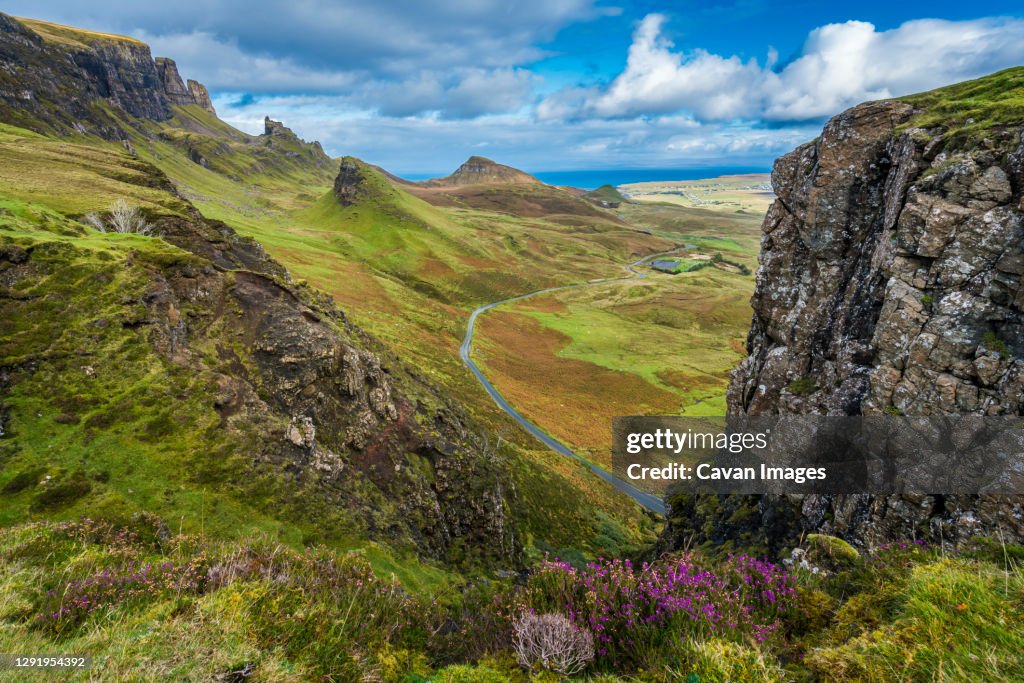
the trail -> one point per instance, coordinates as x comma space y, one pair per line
647, 500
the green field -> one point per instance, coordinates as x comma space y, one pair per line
660, 345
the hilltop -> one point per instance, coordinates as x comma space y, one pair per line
482, 171
607, 196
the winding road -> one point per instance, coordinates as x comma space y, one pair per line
647, 500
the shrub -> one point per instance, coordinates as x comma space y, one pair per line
662, 603
70, 605
120, 217
802, 387
60, 493
994, 343
24, 479
552, 642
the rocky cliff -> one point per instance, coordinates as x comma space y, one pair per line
55, 79
175, 89
889, 282
279, 137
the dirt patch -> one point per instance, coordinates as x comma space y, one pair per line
690, 381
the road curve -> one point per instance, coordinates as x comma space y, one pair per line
647, 500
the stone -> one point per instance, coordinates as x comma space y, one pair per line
884, 263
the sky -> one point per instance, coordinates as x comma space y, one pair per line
543, 85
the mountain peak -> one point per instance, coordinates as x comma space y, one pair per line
479, 170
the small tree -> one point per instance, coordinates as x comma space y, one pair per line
552, 642
121, 217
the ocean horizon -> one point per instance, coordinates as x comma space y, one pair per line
593, 178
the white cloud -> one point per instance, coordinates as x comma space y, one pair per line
840, 65
658, 80
436, 145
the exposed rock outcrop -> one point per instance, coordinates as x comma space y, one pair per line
278, 136
890, 282
350, 185
176, 90
54, 79
201, 96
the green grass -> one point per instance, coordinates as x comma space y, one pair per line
950, 620
606, 193
133, 449
967, 111
255, 605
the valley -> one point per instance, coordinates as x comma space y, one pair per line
269, 414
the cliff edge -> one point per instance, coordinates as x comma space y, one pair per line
889, 282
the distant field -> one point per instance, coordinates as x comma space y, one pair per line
750, 193
664, 344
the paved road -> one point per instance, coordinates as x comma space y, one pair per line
647, 500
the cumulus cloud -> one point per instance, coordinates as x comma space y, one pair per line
839, 66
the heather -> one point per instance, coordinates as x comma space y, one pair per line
195, 608
634, 611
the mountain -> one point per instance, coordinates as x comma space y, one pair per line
483, 171
480, 183
889, 283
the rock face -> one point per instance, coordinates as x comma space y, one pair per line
201, 96
53, 79
278, 136
890, 278
349, 186
175, 89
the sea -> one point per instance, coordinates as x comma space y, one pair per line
591, 179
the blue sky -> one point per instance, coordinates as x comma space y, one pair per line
557, 84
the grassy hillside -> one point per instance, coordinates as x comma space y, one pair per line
606, 193
152, 605
49, 185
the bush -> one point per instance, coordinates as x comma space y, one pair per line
120, 217
57, 494
659, 604
802, 387
24, 479
994, 343
550, 641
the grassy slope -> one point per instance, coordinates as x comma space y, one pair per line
409, 272
95, 416
606, 193
208, 608
968, 110
53, 179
